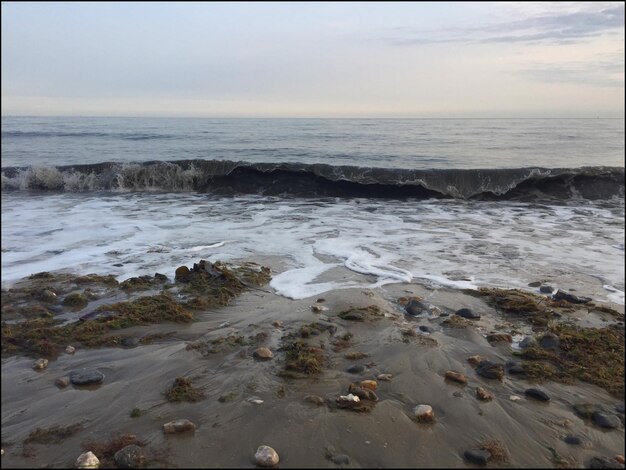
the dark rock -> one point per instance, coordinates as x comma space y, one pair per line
479, 457
131, 456
353, 316
356, 369
182, 274
499, 337
86, 377
160, 277
467, 313
586, 410
550, 341
363, 393
490, 370
619, 408
514, 368
340, 459
574, 299
527, 342
534, 284
416, 307
426, 329
605, 420
129, 342
546, 289
458, 394
573, 440
537, 394
604, 462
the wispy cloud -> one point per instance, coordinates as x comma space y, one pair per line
604, 72
547, 28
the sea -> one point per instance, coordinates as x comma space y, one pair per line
326, 203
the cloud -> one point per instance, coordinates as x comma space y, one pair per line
604, 72
546, 28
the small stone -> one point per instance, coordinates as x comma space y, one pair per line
416, 307
362, 393
369, 384
70, 350
353, 316
527, 342
62, 382
534, 284
345, 401
574, 299
490, 370
265, 456
224, 325
603, 462
180, 425
356, 369
619, 458
263, 354
546, 289
573, 440
131, 456
483, 394
384, 377
514, 398
315, 399
586, 410
467, 313
550, 341
278, 324
48, 296
318, 308
255, 401
86, 377
605, 420
474, 360
129, 342
340, 459
499, 338
477, 456
456, 377
457, 394
424, 413
426, 329
320, 300
514, 368
537, 394
87, 460
40, 364
355, 355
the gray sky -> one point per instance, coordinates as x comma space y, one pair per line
536, 59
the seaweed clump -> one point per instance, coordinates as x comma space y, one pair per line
497, 450
302, 359
52, 435
106, 450
182, 390
593, 355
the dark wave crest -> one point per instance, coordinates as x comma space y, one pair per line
299, 179
122, 136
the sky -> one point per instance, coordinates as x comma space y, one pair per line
335, 59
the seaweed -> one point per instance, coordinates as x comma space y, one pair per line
497, 449
52, 435
106, 450
303, 359
182, 390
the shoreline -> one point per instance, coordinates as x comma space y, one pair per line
230, 427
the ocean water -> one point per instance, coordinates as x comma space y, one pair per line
329, 204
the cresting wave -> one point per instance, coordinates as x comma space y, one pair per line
319, 180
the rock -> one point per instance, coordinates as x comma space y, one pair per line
490, 370
424, 413
86, 377
620, 408
456, 377
180, 425
160, 277
265, 456
483, 394
62, 382
574, 299
457, 394
320, 300
129, 342
278, 324
426, 329
346, 401
550, 341
87, 460
546, 289
605, 420
536, 394
131, 456
528, 342
340, 459
586, 410
48, 296
355, 355
182, 273
514, 398
384, 377
474, 360
70, 350
514, 368
603, 462
619, 458
315, 399
353, 316
499, 338
534, 284
40, 364
356, 369
573, 440
467, 313
416, 307
263, 354
318, 308
369, 384
477, 456
362, 393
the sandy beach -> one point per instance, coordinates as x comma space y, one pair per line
246, 402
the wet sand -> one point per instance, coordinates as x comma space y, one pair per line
304, 434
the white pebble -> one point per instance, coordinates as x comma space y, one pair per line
87, 460
70, 349
514, 398
266, 457
40, 364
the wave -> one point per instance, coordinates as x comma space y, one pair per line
300, 179
122, 136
